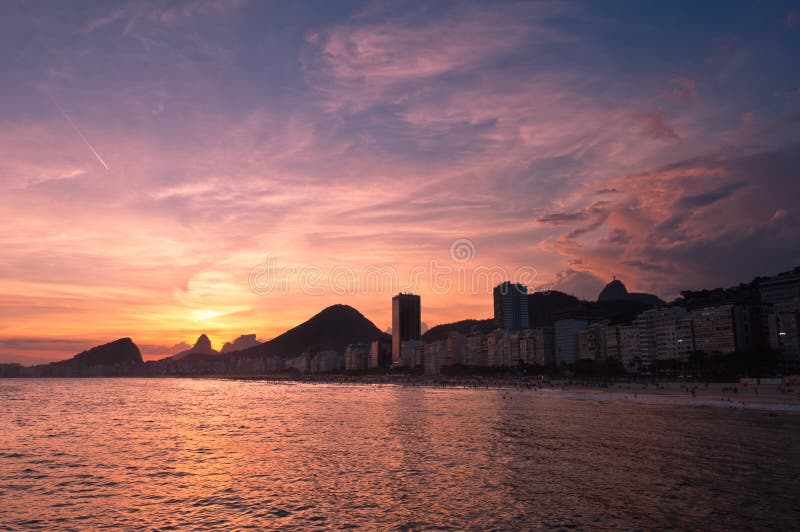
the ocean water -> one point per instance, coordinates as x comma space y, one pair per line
176, 454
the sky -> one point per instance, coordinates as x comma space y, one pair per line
229, 167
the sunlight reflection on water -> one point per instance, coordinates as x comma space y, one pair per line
212, 454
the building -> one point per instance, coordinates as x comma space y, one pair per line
326, 361
380, 353
406, 323
417, 354
498, 348
566, 339
356, 356
544, 346
627, 337
434, 357
592, 342
523, 347
716, 329
664, 334
510, 306
455, 346
673, 334
781, 289
780, 300
612, 341
646, 337
409, 356
477, 350
784, 334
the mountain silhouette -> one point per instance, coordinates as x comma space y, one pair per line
332, 328
546, 307
122, 351
440, 332
201, 347
245, 341
616, 291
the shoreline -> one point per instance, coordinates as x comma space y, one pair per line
721, 395
765, 397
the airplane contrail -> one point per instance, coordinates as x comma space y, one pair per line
78, 131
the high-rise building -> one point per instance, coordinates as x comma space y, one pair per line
406, 323
409, 354
477, 349
593, 342
544, 346
455, 349
380, 353
627, 345
510, 306
715, 329
780, 299
566, 339
435, 353
664, 334
784, 334
356, 356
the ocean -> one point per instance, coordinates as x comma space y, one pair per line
177, 454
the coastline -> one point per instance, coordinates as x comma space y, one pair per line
720, 395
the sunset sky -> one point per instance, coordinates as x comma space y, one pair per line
154, 154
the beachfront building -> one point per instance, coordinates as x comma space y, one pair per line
327, 360
380, 353
434, 357
407, 350
406, 323
477, 350
566, 339
715, 329
544, 346
784, 334
525, 352
455, 346
627, 345
664, 334
592, 341
510, 306
356, 356
498, 348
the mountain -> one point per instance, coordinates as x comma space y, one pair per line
613, 291
245, 341
440, 332
122, 351
201, 347
616, 291
332, 328
546, 307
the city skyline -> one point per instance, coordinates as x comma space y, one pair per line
154, 155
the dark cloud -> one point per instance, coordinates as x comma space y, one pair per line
618, 236
707, 198
595, 214
561, 218
708, 221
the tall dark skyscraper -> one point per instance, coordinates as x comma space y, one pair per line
511, 306
406, 318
